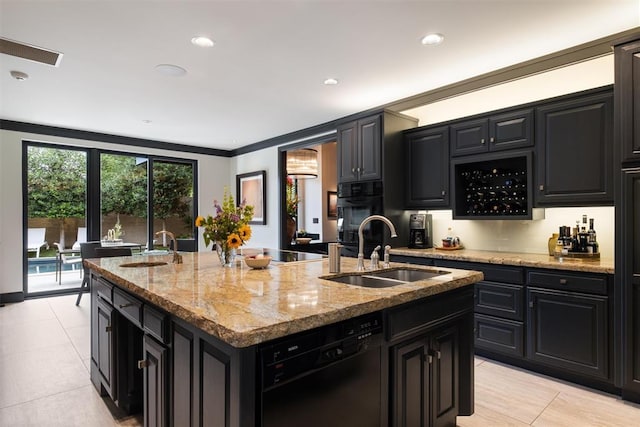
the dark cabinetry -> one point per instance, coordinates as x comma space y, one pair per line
513, 129
360, 150
427, 168
155, 388
628, 270
627, 95
575, 151
370, 148
432, 361
104, 357
426, 385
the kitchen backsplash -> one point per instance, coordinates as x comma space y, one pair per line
524, 236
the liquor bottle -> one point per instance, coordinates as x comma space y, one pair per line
593, 241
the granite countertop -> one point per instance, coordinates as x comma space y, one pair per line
243, 307
512, 258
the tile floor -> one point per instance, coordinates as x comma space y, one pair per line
44, 380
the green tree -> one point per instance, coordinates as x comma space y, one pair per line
56, 184
173, 191
123, 185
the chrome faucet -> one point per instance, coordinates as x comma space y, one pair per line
360, 266
177, 258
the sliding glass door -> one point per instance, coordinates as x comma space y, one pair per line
74, 195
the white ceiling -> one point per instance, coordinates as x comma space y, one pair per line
263, 78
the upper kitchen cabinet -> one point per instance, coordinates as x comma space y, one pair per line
627, 88
427, 168
512, 129
365, 146
574, 147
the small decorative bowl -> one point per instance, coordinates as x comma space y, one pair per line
254, 262
303, 240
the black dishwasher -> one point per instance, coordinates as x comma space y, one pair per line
329, 376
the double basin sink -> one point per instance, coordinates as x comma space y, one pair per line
386, 278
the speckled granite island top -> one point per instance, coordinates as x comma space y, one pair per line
512, 258
243, 307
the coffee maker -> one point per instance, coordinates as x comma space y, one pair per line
420, 231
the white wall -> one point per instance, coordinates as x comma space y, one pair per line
522, 236
213, 174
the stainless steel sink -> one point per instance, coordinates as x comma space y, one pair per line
386, 278
143, 264
365, 281
404, 274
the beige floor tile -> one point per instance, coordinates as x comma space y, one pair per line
509, 392
26, 311
81, 407
68, 313
81, 340
485, 417
588, 411
34, 374
30, 336
477, 360
87, 364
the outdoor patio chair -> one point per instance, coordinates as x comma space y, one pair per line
65, 256
35, 240
94, 250
80, 238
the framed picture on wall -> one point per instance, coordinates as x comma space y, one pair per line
252, 187
332, 204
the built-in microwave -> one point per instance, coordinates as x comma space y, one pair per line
356, 201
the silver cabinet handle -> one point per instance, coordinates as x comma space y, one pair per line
108, 328
353, 170
125, 305
493, 140
143, 364
563, 281
444, 193
541, 187
482, 141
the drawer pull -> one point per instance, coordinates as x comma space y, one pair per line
530, 304
108, 328
563, 281
428, 358
125, 305
143, 364
438, 354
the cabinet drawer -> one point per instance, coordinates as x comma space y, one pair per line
492, 273
103, 288
155, 323
501, 300
130, 307
593, 284
499, 335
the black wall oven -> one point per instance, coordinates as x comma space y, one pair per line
356, 201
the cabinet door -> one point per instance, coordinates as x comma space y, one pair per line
627, 87
369, 149
469, 137
154, 362
444, 346
411, 385
427, 168
568, 331
347, 152
511, 130
105, 354
574, 143
628, 267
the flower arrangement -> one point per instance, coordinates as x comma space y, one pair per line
229, 228
292, 198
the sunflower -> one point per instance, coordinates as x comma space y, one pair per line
199, 221
245, 232
234, 241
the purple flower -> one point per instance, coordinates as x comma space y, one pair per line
235, 218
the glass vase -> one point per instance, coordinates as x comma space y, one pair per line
226, 254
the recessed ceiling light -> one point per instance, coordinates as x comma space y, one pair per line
202, 41
19, 75
146, 121
330, 82
433, 38
170, 70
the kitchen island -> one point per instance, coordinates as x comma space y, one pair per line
215, 345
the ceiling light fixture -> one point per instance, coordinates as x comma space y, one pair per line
433, 38
330, 82
170, 70
302, 163
202, 41
19, 75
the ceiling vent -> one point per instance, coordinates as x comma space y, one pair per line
32, 53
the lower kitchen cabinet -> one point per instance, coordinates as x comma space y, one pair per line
154, 363
568, 331
105, 351
426, 380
